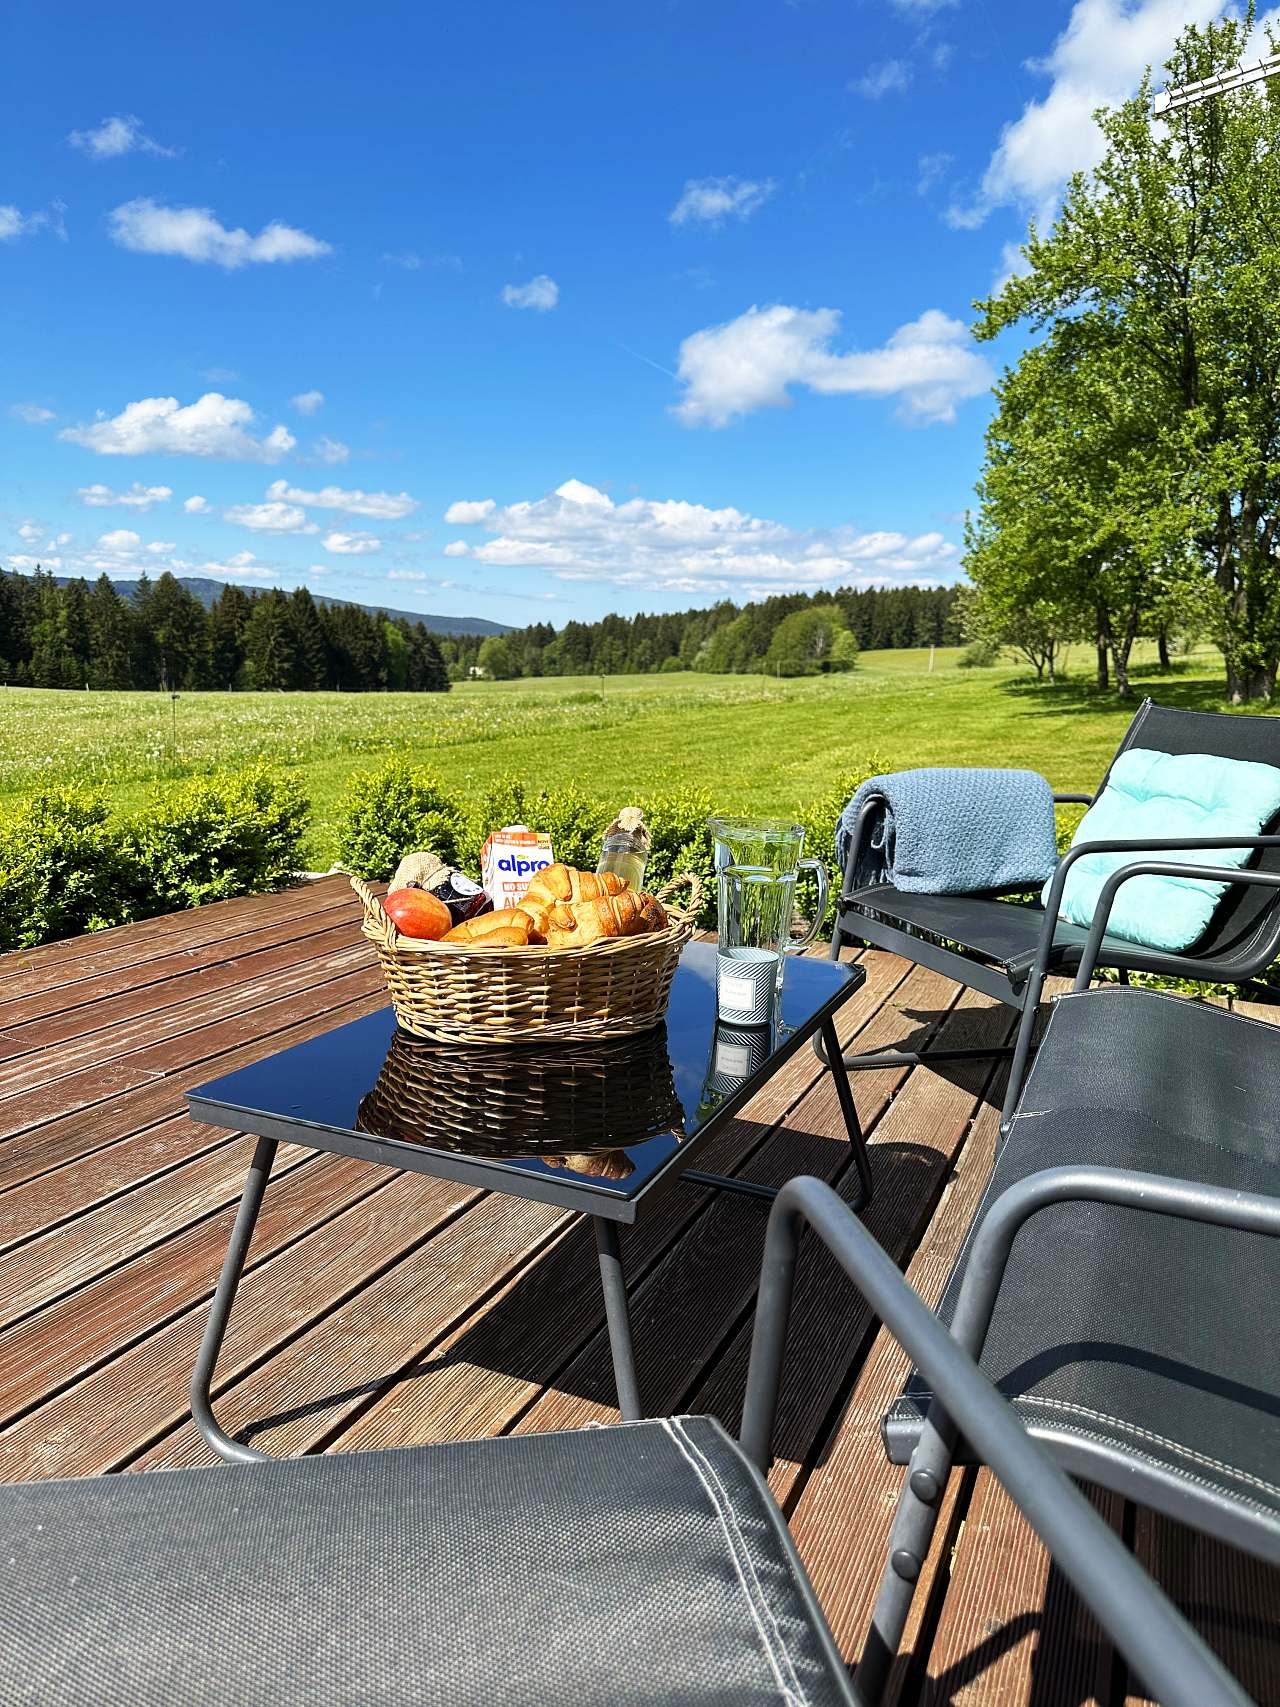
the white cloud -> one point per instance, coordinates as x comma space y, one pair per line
541, 293
271, 517
195, 505
240, 566
750, 363
1097, 61
351, 544
119, 539
405, 575
122, 134
195, 234
467, 511
930, 170
578, 533
330, 450
29, 531
161, 547
138, 497
213, 425
409, 261
34, 414
307, 402
710, 201
14, 223
380, 506
890, 77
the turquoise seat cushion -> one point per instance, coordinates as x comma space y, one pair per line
1159, 795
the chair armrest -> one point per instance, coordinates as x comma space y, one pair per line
1073, 800
1155, 868
1153, 845
1171, 1659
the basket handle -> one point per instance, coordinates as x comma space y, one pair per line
693, 905
378, 924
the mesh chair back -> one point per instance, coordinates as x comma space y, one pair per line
1245, 927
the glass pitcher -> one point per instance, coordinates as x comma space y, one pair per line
774, 844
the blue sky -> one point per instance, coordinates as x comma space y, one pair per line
526, 311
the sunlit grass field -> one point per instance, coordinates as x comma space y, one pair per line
757, 743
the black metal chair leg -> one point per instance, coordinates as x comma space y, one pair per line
235, 1451
849, 1109
618, 1318
914, 1522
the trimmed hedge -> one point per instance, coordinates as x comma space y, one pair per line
66, 866
391, 811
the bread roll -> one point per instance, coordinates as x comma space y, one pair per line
578, 924
567, 884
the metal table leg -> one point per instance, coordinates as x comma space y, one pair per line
848, 1108
235, 1451
618, 1318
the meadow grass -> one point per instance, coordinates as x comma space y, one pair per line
757, 744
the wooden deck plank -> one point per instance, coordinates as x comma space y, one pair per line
134, 1399
135, 1023
71, 1338
1011, 1628
64, 1138
684, 1311
923, 1133
380, 1308
857, 1489
1231, 1598
29, 969
165, 973
99, 1083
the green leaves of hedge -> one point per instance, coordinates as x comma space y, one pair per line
66, 866
396, 810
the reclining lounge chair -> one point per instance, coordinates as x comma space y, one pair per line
1119, 1284
1007, 949
641, 1563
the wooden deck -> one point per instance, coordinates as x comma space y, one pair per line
383, 1308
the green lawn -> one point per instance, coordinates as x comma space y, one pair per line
757, 744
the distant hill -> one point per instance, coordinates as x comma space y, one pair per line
207, 590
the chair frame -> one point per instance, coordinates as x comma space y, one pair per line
1171, 1659
1022, 986
1109, 1466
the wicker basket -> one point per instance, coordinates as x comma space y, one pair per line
578, 1106
453, 992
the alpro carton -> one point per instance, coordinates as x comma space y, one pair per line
508, 861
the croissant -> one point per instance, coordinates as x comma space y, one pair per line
565, 883
577, 924
508, 929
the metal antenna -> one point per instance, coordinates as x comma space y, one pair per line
1170, 101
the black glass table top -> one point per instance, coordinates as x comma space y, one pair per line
588, 1125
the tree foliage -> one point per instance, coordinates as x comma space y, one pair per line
1132, 475
74, 636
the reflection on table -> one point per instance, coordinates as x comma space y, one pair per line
574, 1106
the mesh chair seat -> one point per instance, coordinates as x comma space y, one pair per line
641, 1563
1004, 934
1141, 1348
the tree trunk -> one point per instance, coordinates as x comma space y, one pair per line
1102, 642
1120, 651
1162, 644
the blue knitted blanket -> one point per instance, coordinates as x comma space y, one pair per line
950, 832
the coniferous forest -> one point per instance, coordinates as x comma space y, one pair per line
78, 635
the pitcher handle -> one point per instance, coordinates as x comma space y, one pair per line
820, 911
